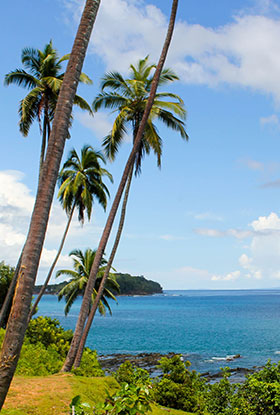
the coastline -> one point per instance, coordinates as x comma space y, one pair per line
149, 361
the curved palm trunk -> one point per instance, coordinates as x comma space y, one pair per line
43, 289
9, 297
85, 307
17, 323
105, 276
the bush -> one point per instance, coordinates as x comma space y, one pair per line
258, 395
219, 395
49, 332
179, 388
89, 365
128, 400
36, 360
129, 373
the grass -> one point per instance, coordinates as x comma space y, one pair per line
51, 395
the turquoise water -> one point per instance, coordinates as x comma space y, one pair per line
205, 326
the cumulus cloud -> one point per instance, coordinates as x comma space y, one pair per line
263, 260
16, 204
243, 53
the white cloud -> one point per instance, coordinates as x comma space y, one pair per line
254, 164
243, 53
100, 124
169, 237
263, 261
232, 276
208, 216
215, 233
270, 222
16, 204
271, 120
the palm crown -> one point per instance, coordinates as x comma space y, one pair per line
79, 277
81, 179
43, 77
128, 97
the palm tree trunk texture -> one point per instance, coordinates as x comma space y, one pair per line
85, 307
43, 145
18, 319
43, 289
106, 274
10, 294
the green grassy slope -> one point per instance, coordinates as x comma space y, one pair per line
51, 395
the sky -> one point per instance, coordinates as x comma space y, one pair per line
210, 217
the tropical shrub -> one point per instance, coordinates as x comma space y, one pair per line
179, 388
129, 373
50, 334
128, 400
37, 360
219, 395
89, 365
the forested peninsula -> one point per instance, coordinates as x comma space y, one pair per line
129, 285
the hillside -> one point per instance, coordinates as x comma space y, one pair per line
129, 285
51, 395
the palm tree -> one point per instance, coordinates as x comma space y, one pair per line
42, 76
80, 180
18, 318
129, 97
110, 220
79, 277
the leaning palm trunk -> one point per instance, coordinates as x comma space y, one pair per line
18, 319
43, 289
44, 141
105, 276
85, 307
9, 297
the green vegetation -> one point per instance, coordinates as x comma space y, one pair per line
6, 275
131, 391
44, 349
79, 277
129, 285
43, 78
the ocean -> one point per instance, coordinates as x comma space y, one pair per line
207, 327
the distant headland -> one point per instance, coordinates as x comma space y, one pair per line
129, 285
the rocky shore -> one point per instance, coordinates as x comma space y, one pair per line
149, 362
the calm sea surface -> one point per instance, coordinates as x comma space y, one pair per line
205, 326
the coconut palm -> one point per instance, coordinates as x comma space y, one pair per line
128, 97
81, 181
43, 77
18, 318
112, 214
79, 278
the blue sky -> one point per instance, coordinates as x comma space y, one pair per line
210, 218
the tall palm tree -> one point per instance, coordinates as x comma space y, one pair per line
43, 77
79, 278
128, 97
110, 220
18, 318
80, 180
